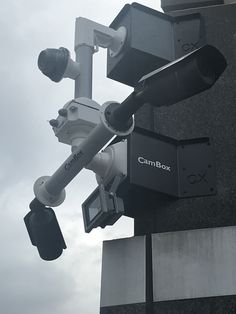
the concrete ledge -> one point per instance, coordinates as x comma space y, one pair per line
125, 309
214, 305
123, 272
194, 264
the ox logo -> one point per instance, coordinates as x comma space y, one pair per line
197, 178
190, 46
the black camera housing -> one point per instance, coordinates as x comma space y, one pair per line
160, 168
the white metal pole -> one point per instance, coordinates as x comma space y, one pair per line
83, 83
90, 146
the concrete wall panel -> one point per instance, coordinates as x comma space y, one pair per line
194, 264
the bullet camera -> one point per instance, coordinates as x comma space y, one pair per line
178, 80
44, 231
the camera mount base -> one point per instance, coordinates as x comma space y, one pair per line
46, 198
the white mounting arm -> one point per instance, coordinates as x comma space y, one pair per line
110, 162
94, 35
90, 35
50, 190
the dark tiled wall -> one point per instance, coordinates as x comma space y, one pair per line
216, 305
125, 309
211, 114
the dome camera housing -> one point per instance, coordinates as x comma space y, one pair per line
53, 62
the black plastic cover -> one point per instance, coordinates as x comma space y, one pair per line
45, 233
53, 62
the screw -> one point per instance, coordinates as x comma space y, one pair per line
54, 123
73, 108
62, 112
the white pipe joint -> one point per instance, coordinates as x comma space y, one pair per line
72, 70
44, 196
110, 127
100, 163
94, 35
110, 162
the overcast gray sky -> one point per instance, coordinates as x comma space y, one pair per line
29, 150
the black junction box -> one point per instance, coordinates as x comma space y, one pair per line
153, 40
160, 167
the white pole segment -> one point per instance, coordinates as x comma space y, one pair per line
90, 146
83, 82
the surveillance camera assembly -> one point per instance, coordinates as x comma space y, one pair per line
87, 127
161, 212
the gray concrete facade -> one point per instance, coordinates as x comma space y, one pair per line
194, 264
123, 272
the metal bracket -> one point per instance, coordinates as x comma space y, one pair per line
94, 35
